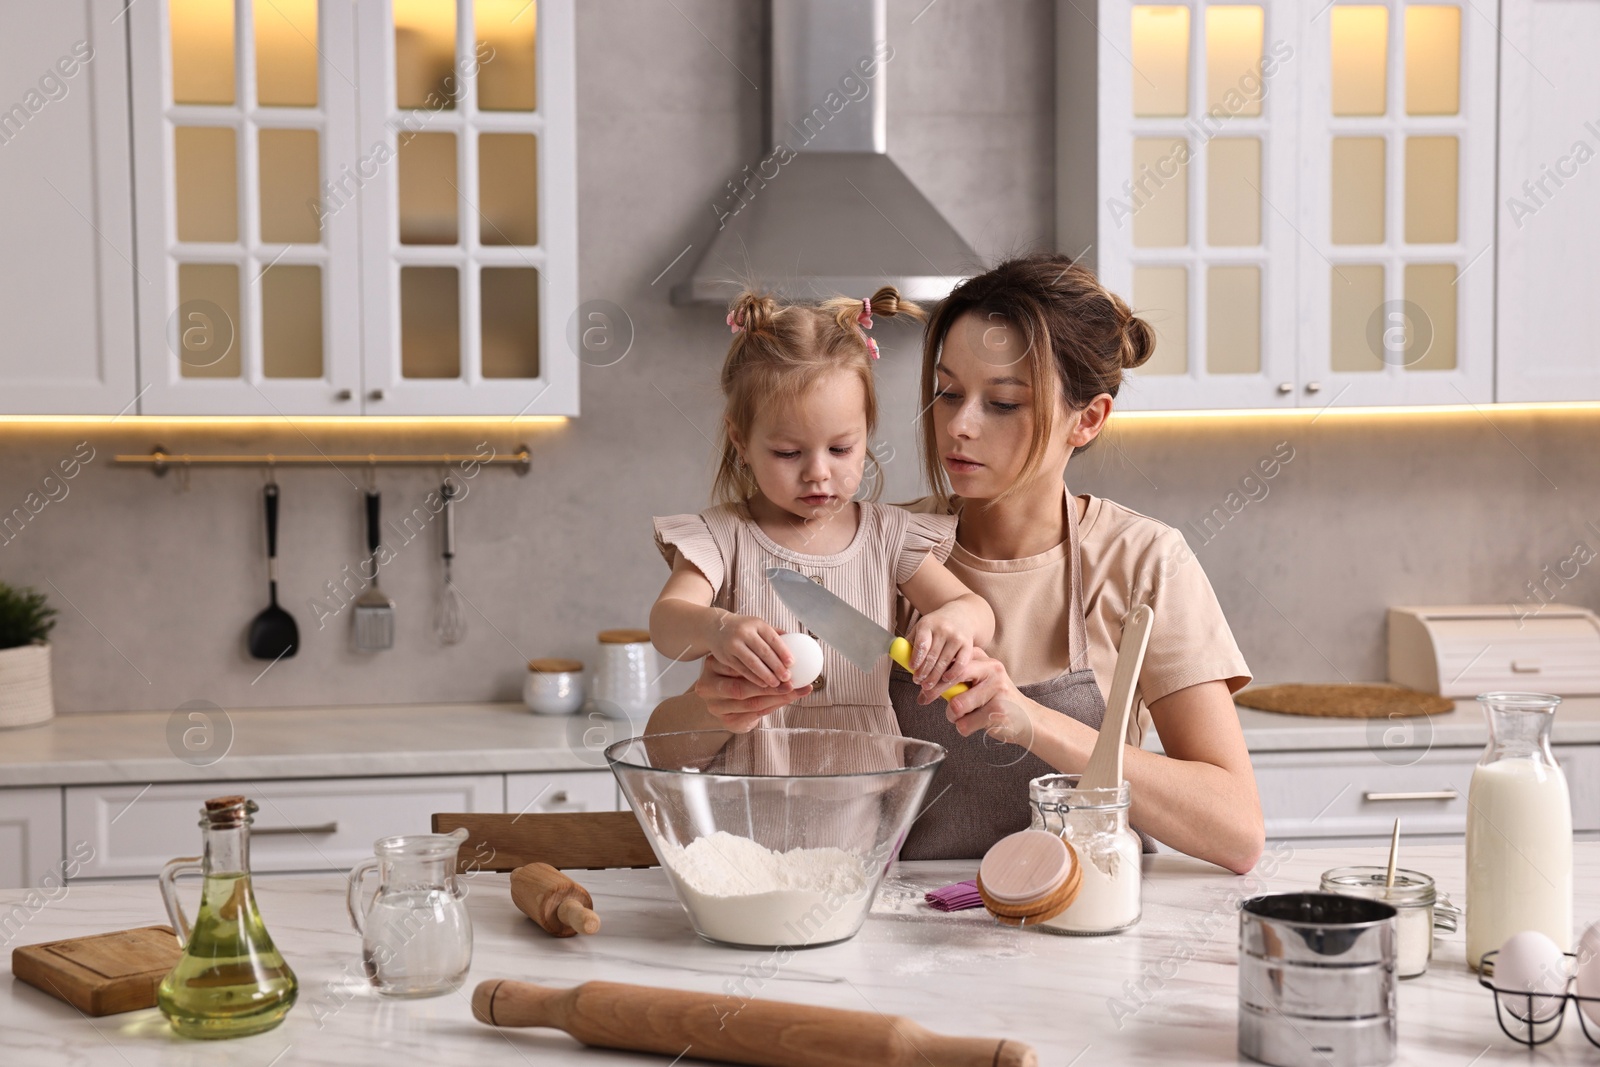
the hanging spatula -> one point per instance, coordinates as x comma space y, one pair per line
1105, 762
374, 611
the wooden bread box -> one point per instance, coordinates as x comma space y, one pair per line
1480, 648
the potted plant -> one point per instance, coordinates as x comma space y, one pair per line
25, 623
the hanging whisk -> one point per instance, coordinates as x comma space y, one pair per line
450, 622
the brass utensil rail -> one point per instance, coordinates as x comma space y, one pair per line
160, 461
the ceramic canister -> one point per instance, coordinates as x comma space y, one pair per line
553, 686
1317, 980
627, 678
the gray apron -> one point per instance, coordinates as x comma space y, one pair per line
980, 792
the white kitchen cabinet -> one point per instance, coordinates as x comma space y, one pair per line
303, 824
30, 838
563, 791
65, 211
469, 240
1295, 196
1354, 795
356, 208
1549, 212
1396, 156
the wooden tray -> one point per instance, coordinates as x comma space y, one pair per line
1343, 701
101, 974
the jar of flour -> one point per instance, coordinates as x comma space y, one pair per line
1095, 823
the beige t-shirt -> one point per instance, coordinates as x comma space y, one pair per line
1128, 558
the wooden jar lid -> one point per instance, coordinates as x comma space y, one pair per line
555, 666
624, 637
1028, 877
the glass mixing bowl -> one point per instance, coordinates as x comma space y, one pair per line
776, 838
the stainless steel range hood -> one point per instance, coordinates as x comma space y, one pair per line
826, 211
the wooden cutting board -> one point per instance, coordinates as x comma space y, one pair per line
101, 974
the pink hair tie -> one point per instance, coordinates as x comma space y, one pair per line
733, 325
872, 347
865, 318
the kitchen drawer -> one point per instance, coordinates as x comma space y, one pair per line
303, 824
1354, 794
30, 839
563, 791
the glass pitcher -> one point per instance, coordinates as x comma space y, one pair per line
1519, 829
231, 980
416, 936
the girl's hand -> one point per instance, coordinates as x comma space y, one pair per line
751, 647
992, 703
941, 651
736, 702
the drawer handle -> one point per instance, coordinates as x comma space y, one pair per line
1425, 794
284, 831
558, 797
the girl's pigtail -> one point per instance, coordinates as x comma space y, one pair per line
888, 302
752, 312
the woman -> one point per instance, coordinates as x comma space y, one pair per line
1020, 369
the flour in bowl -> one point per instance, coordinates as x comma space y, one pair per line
741, 892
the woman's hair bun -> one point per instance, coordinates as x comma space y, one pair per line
1138, 342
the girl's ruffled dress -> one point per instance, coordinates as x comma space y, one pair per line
889, 545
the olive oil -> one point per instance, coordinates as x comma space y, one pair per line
231, 980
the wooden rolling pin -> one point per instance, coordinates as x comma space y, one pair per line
709, 1026
554, 901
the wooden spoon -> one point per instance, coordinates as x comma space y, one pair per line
1105, 762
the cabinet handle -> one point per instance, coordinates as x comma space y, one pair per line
284, 831
1423, 794
376, 394
1285, 388
558, 797
344, 394
1313, 387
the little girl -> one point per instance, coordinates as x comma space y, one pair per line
800, 414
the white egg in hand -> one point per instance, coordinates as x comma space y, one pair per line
1589, 973
807, 658
1530, 962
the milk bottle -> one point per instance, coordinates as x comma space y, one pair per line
1519, 829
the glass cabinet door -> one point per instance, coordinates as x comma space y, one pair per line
1299, 198
1398, 143
1196, 150
244, 113
466, 314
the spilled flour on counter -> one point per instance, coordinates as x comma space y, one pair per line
744, 893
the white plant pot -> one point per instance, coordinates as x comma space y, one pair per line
25, 694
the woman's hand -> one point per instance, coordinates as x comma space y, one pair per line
750, 647
735, 701
941, 649
992, 702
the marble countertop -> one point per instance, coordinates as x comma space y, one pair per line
392, 739
398, 739
1577, 723
1162, 993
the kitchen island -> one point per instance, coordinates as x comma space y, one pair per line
1163, 993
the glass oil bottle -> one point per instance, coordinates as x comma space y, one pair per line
231, 980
